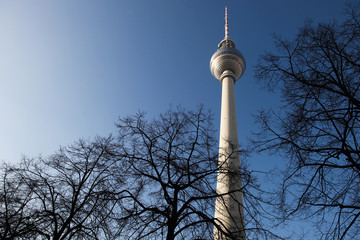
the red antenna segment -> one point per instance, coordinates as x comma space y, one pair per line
226, 25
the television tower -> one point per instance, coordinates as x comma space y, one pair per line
227, 65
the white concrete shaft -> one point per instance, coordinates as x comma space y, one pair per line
229, 207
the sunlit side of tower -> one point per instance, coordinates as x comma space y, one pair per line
227, 65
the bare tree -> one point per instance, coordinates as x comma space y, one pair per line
157, 181
173, 165
71, 194
15, 217
317, 129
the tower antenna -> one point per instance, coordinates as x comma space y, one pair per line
226, 25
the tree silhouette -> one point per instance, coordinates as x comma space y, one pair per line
15, 218
172, 174
69, 195
173, 161
317, 129
156, 180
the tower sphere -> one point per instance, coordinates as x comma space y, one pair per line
227, 57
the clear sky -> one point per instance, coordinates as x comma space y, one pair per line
69, 69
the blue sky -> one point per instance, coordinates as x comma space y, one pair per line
69, 69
